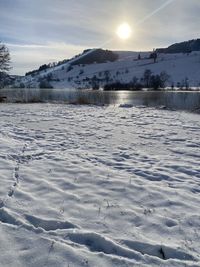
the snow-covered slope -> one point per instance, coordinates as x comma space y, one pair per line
180, 67
86, 186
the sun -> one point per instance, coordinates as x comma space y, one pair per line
124, 31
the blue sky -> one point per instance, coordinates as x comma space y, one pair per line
42, 31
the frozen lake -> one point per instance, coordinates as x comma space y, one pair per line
172, 100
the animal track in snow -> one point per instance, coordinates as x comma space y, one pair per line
7, 218
160, 251
132, 249
49, 225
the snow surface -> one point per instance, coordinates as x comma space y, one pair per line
98, 186
180, 67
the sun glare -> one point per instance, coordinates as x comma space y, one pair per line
124, 31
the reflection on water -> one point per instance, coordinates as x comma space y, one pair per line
172, 100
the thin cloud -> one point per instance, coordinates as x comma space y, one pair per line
65, 27
150, 15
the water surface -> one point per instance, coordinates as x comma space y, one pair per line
169, 99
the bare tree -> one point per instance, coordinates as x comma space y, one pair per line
147, 77
164, 78
154, 55
4, 58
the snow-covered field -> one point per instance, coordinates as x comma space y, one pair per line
98, 186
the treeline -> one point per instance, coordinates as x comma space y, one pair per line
95, 56
148, 80
118, 86
183, 47
46, 66
41, 68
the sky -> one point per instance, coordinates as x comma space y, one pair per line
43, 31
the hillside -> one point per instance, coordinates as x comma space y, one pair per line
183, 47
97, 67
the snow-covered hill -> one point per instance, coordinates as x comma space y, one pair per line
181, 68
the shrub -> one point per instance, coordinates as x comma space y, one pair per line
45, 84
